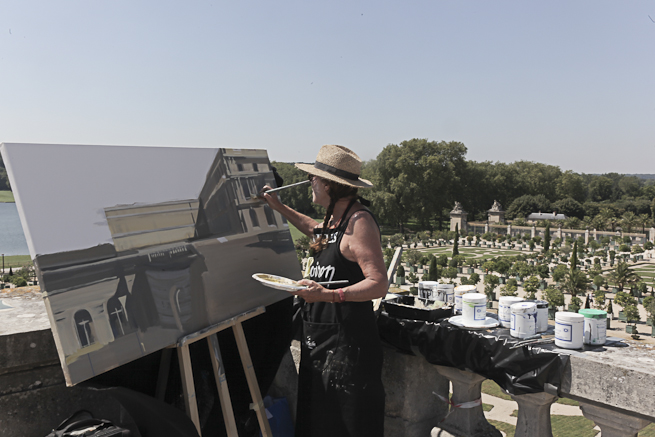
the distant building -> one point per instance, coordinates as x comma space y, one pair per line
536, 216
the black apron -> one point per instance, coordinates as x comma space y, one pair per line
340, 390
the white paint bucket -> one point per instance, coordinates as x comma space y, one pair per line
446, 293
474, 309
523, 323
425, 289
594, 329
542, 316
568, 330
504, 312
459, 292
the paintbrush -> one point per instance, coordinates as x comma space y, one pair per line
273, 190
344, 281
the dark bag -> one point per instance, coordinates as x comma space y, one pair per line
83, 424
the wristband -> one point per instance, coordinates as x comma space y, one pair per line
342, 295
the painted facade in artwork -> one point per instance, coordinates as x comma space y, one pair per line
136, 275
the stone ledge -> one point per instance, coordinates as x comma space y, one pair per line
617, 378
26, 350
36, 378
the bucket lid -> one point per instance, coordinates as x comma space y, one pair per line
508, 300
445, 286
427, 283
465, 289
568, 316
593, 314
474, 297
541, 304
524, 307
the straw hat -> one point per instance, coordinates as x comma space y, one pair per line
338, 164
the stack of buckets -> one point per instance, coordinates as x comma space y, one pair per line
572, 330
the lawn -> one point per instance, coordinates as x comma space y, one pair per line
295, 233
6, 196
563, 426
492, 389
17, 261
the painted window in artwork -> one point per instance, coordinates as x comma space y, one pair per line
245, 188
239, 166
253, 218
270, 216
254, 167
84, 325
117, 317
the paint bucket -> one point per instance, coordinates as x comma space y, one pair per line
542, 316
568, 330
474, 309
594, 329
459, 291
446, 293
425, 289
504, 313
523, 323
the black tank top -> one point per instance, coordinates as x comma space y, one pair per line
330, 265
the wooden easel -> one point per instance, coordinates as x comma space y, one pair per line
184, 359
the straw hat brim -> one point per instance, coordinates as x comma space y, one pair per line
359, 183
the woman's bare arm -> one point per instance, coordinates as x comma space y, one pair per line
304, 223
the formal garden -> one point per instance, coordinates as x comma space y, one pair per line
613, 274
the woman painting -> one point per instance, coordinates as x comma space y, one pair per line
340, 391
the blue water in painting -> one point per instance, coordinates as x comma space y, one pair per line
12, 239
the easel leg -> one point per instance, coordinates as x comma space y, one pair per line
264, 426
186, 372
221, 384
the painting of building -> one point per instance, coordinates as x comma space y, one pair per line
136, 247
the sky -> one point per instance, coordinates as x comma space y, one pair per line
567, 83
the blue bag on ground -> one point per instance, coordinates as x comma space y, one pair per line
279, 417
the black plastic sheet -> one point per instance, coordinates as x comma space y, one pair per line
519, 371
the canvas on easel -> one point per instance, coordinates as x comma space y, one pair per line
136, 247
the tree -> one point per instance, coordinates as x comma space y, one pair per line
631, 313
554, 297
601, 188
543, 271
510, 288
576, 282
412, 256
574, 257
575, 304
547, 238
502, 266
530, 286
400, 272
300, 197
599, 299
527, 204
623, 275
456, 242
412, 278
450, 273
569, 208
572, 185
418, 169
434, 272
624, 299
490, 284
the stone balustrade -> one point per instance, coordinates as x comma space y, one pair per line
614, 388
